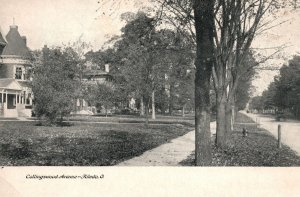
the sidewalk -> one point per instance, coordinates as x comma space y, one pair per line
169, 154
290, 130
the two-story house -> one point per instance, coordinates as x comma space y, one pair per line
15, 75
93, 75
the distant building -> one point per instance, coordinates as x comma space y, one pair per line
15, 75
93, 75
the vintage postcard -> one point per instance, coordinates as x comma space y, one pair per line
149, 98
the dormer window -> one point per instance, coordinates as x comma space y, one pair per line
18, 73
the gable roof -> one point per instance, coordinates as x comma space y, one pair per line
15, 44
2, 41
11, 84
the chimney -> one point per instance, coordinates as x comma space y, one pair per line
107, 68
24, 39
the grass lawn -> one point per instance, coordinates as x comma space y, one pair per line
187, 120
88, 144
259, 148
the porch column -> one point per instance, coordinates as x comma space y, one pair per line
1, 104
24, 97
6, 97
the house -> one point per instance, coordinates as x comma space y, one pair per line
15, 75
93, 75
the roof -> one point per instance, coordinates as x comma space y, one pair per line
15, 44
2, 41
25, 83
11, 84
5, 82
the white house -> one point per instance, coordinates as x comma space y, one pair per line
15, 72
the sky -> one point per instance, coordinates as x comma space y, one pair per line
53, 22
288, 34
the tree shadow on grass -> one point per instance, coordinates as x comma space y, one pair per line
56, 124
103, 150
19, 150
257, 149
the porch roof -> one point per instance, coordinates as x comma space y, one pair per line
26, 84
10, 84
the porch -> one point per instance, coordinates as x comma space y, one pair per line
13, 103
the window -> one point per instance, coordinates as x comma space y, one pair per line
18, 73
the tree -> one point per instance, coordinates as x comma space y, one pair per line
287, 91
223, 39
135, 49
204, 23
256, 103
236, 23
283, 94
197, 17
185, 92
100, 95
243, 94
54, 84
269, 97
179, 59
79, 49
152, 61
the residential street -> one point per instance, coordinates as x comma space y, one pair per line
290, 129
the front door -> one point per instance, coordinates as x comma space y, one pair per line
11, 101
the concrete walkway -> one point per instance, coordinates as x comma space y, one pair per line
169, 154
290, 130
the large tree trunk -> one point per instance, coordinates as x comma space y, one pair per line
171, 99
162, 97
142, 107
230, 113
221, 120
153, 105
147, 112
204, 19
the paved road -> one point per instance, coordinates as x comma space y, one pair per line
290, 129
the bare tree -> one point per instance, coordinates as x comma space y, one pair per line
236, 23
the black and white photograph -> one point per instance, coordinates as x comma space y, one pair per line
129, 84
